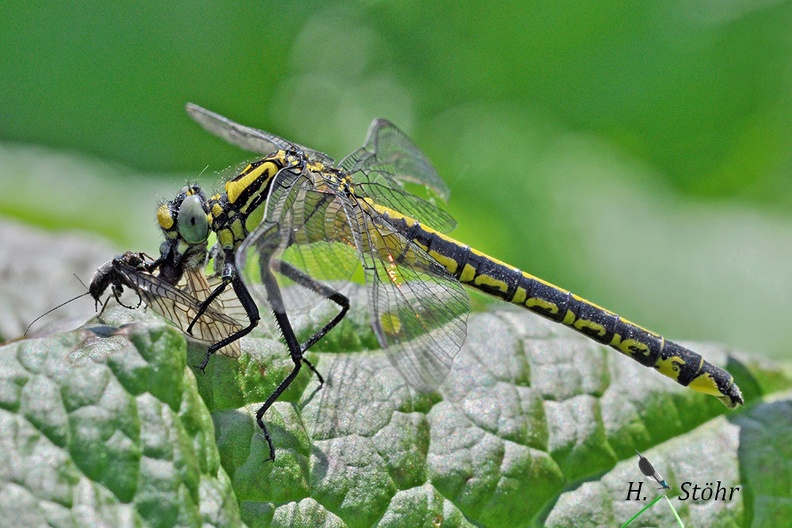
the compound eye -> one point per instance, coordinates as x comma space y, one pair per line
192, 221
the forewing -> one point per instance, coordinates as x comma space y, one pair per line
242, 136
245, 137
418, 309
387, 161
304, 226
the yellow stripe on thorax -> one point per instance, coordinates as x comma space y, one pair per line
247, 177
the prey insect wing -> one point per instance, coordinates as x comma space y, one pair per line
175, 304
181, 306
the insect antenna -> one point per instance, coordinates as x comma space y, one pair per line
61, 305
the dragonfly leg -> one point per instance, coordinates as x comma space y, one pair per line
227, 279
230, 276
275, 300
313, 369
308, 282
250, 309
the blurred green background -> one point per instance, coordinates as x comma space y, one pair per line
639, 154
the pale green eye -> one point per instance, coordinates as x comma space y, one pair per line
193, 225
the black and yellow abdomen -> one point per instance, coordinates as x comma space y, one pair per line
484, 273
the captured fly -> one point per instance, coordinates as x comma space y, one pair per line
179, 304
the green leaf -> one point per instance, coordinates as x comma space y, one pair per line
108, 430
534, 426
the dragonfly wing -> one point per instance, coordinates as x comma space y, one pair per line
320, 242
387, 161
248, 138
418, 309
372, 185
389, 151
305, 228
244, 137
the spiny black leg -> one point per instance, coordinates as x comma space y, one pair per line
229, 276
275, 300
251, 310
272, 399
212, 296
313, 369
309, 283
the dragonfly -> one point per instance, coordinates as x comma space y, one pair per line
297, 217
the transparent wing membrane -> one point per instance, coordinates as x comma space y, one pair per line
244, 137
180, 305
418, 310
302, 228
387, 161
389, 153
403, 202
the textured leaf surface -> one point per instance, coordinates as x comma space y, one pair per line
113, 433
535, 426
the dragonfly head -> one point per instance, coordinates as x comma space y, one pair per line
185, 224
